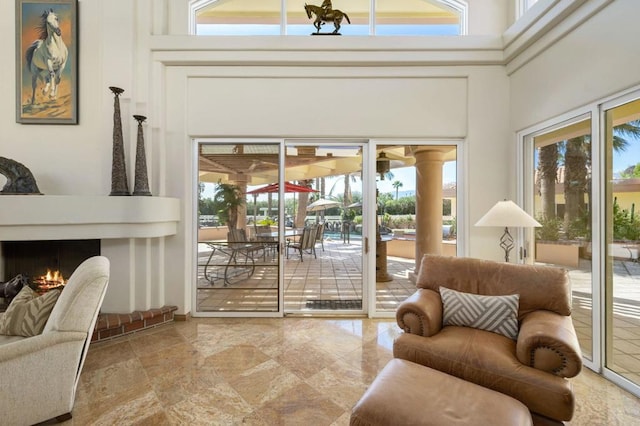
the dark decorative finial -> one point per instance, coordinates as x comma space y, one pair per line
116, 90
141, 184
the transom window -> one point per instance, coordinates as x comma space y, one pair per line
362, 17
523, 6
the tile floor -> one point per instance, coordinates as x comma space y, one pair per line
336, 275
284, 371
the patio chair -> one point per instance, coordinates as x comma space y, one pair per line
239, 242
320, 234
262, 233
306, 243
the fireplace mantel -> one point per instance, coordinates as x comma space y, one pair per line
56, 217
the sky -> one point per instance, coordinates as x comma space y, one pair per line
628, 157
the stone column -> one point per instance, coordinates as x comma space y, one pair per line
429, 162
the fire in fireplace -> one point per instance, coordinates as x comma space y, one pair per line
52, 279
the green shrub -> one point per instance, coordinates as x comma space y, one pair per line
626, 225
550, 229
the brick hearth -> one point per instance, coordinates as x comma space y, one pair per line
109, 326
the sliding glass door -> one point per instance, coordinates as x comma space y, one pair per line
622, 230
325, 236
237, 250
582, 183
560, 198
417, 213
294, 226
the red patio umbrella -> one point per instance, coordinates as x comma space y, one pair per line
274, 187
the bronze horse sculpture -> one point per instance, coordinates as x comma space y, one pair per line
334, 15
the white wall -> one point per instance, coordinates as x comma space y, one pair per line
489, 17
178, 84
599, 59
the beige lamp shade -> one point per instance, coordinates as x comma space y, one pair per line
507, 214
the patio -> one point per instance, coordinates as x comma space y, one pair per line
335, 275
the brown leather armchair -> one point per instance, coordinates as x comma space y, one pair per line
534, 368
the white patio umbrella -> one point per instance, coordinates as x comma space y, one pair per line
322, 204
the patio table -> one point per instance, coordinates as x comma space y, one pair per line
287, 233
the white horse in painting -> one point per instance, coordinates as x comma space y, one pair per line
47, 56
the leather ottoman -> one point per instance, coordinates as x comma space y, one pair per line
405, 393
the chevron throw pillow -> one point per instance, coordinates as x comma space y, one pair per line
498, 314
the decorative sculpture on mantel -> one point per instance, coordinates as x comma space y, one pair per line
141, 184
325, 13
20, 180
119, 185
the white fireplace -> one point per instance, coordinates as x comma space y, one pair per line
131, 231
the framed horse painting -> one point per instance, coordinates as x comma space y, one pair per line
47, 61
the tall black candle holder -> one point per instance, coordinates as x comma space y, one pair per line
119, 185
141, 184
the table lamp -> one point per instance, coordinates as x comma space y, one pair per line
508, 214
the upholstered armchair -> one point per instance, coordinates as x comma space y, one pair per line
532, 366
40, 373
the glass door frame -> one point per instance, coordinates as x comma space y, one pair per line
368, 216
524, 196
369, 150
597, 111
617, 378
462, 247
194, 250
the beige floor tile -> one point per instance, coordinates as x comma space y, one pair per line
268, 371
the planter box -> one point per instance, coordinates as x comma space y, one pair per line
558, 253
406, 248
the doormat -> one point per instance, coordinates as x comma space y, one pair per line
335, 304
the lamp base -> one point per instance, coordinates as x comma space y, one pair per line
506, 242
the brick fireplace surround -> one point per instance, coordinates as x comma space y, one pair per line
65, 217
115, 325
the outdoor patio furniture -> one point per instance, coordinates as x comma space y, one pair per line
320, 234
306, 243
263, 234
239, 253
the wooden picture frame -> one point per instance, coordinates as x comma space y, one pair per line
47, 61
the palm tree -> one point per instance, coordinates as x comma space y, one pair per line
577, 162
397, 185
575, 178
347, 196
228, 199
547, 173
